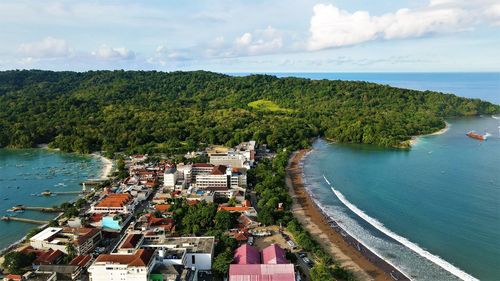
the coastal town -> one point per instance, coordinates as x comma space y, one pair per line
208, 217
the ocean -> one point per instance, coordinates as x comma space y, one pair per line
25, 173
432, 211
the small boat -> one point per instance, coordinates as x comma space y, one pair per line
476, 136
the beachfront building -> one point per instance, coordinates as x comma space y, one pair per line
120, 267
83, 239
115, 203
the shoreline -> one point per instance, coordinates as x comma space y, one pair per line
104, 175
107, 166
351, 254
414, 139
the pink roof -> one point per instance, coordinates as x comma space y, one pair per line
246, 254
261, 272
274, 255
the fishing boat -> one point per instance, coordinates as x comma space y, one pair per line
476, 136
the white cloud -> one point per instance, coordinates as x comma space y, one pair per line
332, 27
49, 47
261, 41
110, 53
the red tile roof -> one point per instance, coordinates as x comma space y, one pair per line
233, 209
115, 200
81, 260
141, 257
14, 277
163, 207
202, 165
48, 257
131, 241
219, 170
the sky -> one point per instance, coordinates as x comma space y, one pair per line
251, 36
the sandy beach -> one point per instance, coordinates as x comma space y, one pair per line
343, 248
414, 139
107, 166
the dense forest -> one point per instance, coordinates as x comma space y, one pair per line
138, 111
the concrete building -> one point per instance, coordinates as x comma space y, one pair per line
123, 267
83, 239
170, 177
228, 159
191, 252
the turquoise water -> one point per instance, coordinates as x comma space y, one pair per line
24, 172
443, 195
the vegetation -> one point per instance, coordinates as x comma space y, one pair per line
14, 262
149, 112
267, 105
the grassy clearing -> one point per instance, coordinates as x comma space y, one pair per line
267, 105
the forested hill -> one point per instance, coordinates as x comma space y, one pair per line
174, 112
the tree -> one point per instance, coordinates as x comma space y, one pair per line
14, 262
70, 251
224, 220
221, 263
321, 272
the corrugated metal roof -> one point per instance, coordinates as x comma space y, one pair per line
261, 272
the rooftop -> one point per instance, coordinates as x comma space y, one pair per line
46, 233
115, 200
191, 244
261, 272
141, 257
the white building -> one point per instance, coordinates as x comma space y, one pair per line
122, 203
218, 178
170, 178
192, 252
123, 267
57, 238
229, 159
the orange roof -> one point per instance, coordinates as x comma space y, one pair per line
131, 241
163, 207
115, 200
141, 257
80, 260
233, 209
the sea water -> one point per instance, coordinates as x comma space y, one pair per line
432, 211
25, 173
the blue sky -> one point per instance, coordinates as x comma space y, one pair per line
251, 36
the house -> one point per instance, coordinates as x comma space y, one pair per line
247, 222
135, 267
60, 272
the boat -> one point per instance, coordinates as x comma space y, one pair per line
476, 136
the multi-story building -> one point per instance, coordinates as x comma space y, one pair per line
170, 177
228, 159
84, 240
218, 178
115, 203
123, 267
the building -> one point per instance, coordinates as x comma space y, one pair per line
170, 177
229, 159
191, 252
123, 267
218, 178
261, 272
83, 239
248, 266
246, 254
115, 203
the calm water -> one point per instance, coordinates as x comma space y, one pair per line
485, 86
443, 195
30, 171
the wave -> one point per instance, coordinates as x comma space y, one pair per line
495, 117
404, 241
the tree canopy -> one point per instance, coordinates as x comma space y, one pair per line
149, 111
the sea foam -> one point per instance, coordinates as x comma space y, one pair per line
404, 241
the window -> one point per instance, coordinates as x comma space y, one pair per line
193, 259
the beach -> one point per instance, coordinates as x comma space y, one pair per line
107, 166
414, 139
344, 249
